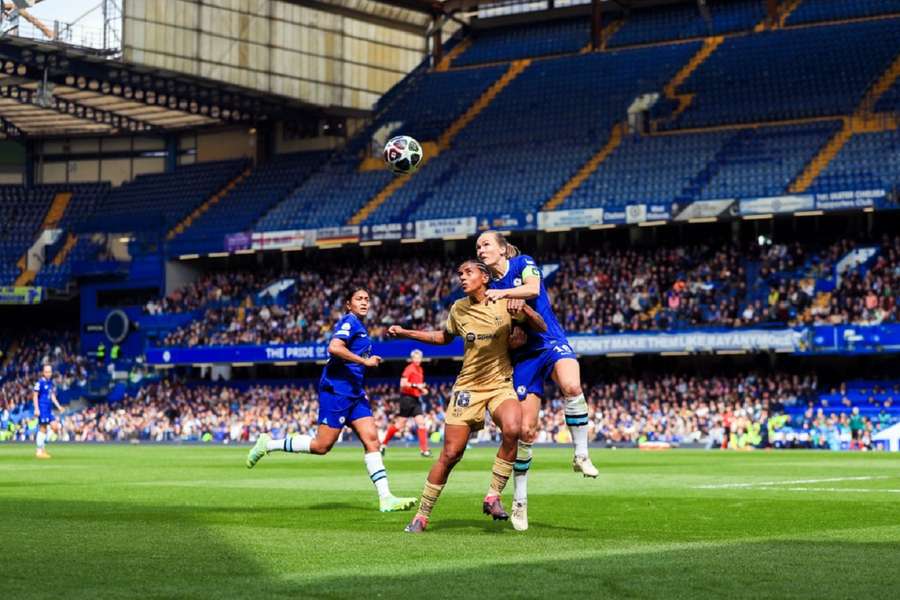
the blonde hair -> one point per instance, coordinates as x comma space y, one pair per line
508, 249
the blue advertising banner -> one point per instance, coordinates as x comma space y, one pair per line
779, 340
238, 241
849, 200
853, 339
614, 215
390, 350
841, 339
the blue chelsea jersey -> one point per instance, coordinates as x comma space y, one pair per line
45, 388
342, 377
522, 267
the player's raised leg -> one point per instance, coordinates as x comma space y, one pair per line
368, 435
326, 437
567, 375
455, 439
531, 407
508, 416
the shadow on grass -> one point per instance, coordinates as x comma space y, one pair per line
126, 549
486, 524
782, 569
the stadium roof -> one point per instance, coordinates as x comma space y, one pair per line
447, 7
87, 93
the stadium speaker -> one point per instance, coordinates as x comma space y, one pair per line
116, 326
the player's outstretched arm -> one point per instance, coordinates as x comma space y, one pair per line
37, 408
338, 349
438, 338
530, 289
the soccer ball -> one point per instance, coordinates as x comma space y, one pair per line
403, 155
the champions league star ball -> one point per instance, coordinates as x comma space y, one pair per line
403, 155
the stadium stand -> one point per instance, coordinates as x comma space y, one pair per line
789, 74
733, 412
605, 290
409, 292
158, 202
890, 101
529, 41
57, 271
338, 189
725, 164
678, 22
520, 118
21, 213
812, 11
867, 161
490, 166
726, 86
241, 207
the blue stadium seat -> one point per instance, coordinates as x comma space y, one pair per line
683, 21
525, 41
811, 11
569, 104
868, 161
790, 74
267, 185
160, 201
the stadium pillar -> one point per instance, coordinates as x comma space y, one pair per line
30, 163
171, 153
772, 11
596, 25
437, 46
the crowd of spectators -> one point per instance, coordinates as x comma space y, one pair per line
408, 292
25, 354
735, 412
211, 289
867, 297
609, 290
604, 290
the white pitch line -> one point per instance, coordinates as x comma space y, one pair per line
722, 486
810, 489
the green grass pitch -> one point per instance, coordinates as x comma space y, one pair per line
192, 522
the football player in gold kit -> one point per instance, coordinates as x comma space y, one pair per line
483, 383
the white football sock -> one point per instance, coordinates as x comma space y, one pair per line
520, 471
377, 473
292, 443
40, 439
577, 422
